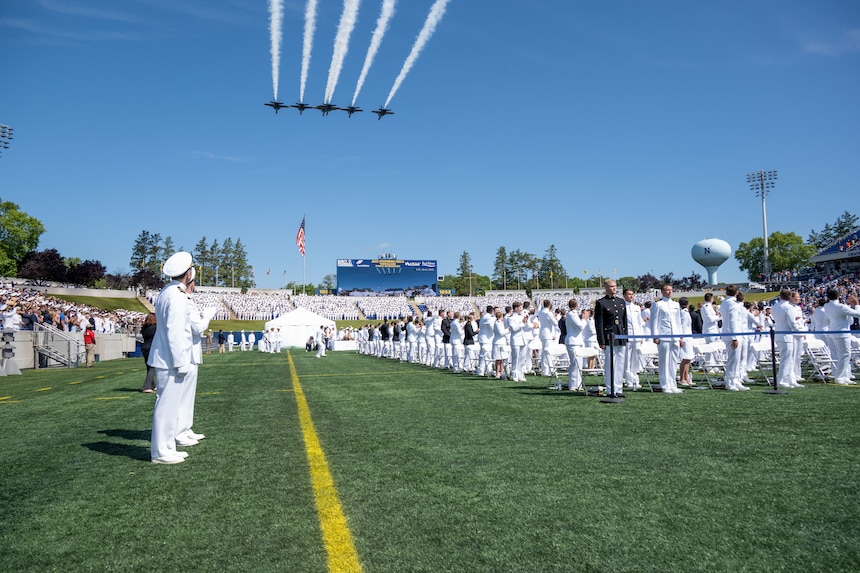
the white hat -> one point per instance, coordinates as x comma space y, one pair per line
178, 264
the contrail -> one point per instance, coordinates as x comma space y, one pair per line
433, 18
341, 45
310, 27
375, 41
276, 9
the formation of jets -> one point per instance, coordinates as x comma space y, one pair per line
276, 105
382, 111
327, 108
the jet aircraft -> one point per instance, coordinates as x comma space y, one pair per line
276, 105
351, 109
325, 108
382, 111
301, 107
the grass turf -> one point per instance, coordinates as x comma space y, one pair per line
435, 472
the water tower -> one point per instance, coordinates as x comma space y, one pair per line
711, 253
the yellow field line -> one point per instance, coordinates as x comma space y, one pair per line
342, 556
111, 398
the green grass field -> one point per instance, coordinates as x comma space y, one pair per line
434, 471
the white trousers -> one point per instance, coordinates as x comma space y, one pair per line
574, 371
186, 401
841, 343
165, 416
667, 356
617, 368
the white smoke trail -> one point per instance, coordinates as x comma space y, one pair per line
433, 18
276, 9
375, 41
310, 27
341, 45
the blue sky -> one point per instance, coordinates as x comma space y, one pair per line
620, 132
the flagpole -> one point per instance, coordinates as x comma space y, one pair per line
304, 258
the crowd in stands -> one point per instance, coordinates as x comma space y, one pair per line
22, 308
330, 306
257, 306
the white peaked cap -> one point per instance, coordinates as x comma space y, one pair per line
177, 264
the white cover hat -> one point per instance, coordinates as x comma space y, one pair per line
177, 264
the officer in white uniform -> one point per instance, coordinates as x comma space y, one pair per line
171, 356
575, 325
734, 321
516, 324
784, 322
839, 319
485, 340
185, 436
548, 335
666, 319
635, 327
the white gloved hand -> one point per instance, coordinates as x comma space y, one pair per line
182, 370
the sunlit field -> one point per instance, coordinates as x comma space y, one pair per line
433, 471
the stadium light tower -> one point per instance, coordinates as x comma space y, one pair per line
762, 182
5, 137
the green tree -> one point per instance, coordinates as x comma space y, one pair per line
203, 261
844, 224
226, 262
500, 266
244, 278
465, 268
520, 269
551, 270
215, 257
787, 252
146, 253
167, 249
19, 234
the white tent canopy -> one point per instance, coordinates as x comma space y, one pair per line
299, 325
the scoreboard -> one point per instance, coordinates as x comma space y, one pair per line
391, 277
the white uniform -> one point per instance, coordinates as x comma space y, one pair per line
710, 322
501, 340
171, 356
665, 319
734, 321
458, 350
839, 319
633, 357
548, 334
485, 340
784, 322
515, 326
573, 340
199, 324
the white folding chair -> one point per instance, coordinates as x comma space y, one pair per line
559, 364
818, 356
584, 353
650, 366
763, 359
714, 369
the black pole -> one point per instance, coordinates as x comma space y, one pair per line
775, 390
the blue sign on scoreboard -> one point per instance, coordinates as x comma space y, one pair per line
393, 277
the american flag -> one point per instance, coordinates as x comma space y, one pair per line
300, 238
